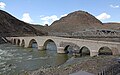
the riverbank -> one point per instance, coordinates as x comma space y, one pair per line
92, 65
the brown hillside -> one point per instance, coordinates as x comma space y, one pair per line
41, 28
76, 21
10, 26
115, 26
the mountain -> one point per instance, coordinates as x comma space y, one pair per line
11, 26
76, 21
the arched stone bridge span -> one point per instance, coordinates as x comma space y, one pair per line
62, 43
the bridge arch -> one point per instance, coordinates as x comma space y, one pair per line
50, 45
105, 51
115, 50
84, 51
23, 43
69, 47
18, 42
14, 41
33, 44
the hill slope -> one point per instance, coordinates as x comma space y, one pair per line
10, 26
76, 21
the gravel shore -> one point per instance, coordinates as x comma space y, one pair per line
89, 64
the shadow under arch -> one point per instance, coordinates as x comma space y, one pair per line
14, 41
33, 44
84, 51
68, 49
105, 51
23, 43
50, 45
18, 42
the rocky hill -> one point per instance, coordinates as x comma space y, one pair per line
76, 21
11, 26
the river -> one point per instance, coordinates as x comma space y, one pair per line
14, 59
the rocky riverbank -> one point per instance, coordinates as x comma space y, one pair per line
88, 64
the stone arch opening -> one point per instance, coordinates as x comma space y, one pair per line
84, 51
18, 42
50, 45
33, 44
23, 43
68, 49
105, 51
14, 41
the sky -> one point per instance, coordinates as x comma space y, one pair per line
47, 11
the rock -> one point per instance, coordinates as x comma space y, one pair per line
9, 65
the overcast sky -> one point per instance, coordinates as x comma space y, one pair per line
47, 11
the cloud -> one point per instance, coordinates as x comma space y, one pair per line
103, 16
27, 18
114, 6
64, 15
2, 5
49, 19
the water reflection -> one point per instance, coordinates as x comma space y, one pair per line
61, 58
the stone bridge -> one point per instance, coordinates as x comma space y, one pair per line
63, 43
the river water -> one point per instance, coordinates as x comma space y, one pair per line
14, 59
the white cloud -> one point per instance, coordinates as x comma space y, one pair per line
114, 6
49, 19
27, 18
103, 16
64, 15
2, 5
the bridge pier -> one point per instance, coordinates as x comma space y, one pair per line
60, 50
93, 53
40, 47
115, 51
